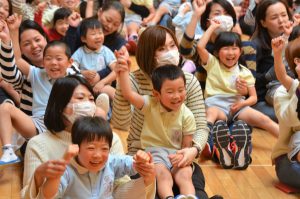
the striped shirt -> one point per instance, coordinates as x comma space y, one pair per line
122, 118
13, 75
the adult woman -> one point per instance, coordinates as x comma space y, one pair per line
154, 43
59, 116
271, 17
111, 15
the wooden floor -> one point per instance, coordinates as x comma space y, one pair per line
256, 182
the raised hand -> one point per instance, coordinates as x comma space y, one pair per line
141, 157
74, 19
278, 45
4, 32
288, 28
14, 21
71, 151
199, 7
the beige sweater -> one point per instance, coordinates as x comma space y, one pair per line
285, 104
48, 146
122, 118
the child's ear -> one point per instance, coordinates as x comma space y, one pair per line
83, 39
156, 94
71, 62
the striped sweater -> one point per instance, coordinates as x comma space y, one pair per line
122, 118
13, 75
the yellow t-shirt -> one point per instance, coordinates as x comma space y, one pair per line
221, 80
147, 3
163, 128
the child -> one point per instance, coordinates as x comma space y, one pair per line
92, 172
286, 152
169, 125
95, 60
60, 23
223, 102
56, 61
133, 22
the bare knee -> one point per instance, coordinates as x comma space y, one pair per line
183, 175
6, 108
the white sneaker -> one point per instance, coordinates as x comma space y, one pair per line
9, 157
102, 102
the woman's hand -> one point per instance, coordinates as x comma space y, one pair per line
241, 86
74, 19
145, 167
4, 32
188, 156
278, 44
14, 21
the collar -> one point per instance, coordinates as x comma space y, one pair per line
230, 69
89, 51
81, 170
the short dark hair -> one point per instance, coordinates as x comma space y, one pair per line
89, 128
227, 39
224, 4
60, 96
61, 13
89, 23
58, 43
166, 72
31, 25
10, 8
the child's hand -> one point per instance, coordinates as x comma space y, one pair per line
235, 107
278, 44
4, 32
141, 157
14, 21
241, 86
175, 159
199, 7
71, 151
122, 64
145, 169
89, 74
98, 87
41, 6
74, 19
186, 8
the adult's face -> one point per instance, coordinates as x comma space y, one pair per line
275, 20
32, 45
110, 20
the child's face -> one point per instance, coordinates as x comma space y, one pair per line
229, 55
93, 155
4, 9
61, 26
172, 94
56, 62
94, 38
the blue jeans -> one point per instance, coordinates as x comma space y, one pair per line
288, 172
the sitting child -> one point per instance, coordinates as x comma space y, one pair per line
169, 125
224, 103
60, 22
95, 60
92, 171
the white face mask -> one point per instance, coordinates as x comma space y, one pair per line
226, 23
170, 57
80, 109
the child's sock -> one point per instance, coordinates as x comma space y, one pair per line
8, 155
